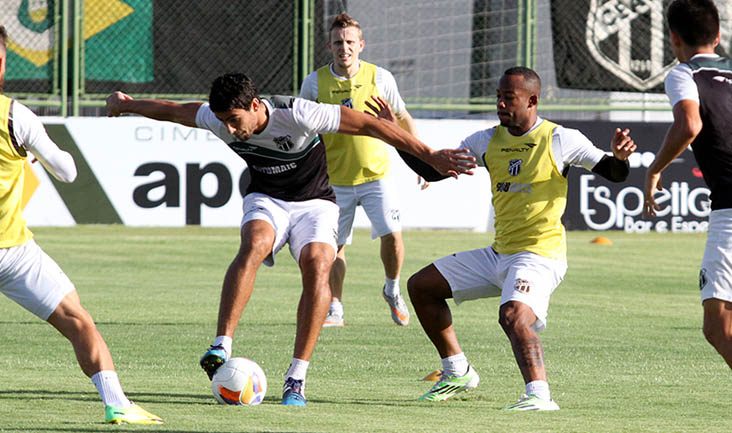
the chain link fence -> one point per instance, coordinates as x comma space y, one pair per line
594, 56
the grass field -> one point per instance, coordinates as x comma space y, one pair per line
623, 346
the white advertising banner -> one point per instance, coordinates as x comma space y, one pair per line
141, 172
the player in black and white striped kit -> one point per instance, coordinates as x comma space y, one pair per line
288, 200
700, 91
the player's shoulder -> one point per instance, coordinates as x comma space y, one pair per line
283, 102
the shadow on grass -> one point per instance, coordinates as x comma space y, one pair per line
139, 397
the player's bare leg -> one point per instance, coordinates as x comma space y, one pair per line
316, 259
718, 326
516, 319
392, 256
257, 239
428, 291
77, 325
338, 274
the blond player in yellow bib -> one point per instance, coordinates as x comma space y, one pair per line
527, 158
358, 166
28, 275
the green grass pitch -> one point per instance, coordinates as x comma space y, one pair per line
623, 346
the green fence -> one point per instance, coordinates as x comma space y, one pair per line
66, 56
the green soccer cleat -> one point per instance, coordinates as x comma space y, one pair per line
131, 415
448, 386
532, 402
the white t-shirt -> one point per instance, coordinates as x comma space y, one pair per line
385, 84
679, 82
569, 147
30, 133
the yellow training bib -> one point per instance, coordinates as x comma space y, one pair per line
529, 193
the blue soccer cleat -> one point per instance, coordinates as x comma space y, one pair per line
213, 359
293, 393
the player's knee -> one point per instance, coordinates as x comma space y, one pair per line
513, 316
716, 336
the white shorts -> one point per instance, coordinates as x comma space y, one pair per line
715, 276
31, 278
380, 202
295, 222
524, 277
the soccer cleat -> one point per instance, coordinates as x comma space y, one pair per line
213, 359
131, 415
448, 386
532, 402
333, 320
293, 393
399, 312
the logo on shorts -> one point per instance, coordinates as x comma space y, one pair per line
348, 102
514, 167
522, 286
702, 278
394, 214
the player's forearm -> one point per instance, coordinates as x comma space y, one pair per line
159, 109
678, 137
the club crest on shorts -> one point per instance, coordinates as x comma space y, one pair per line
348, 102
641, 61
514, 166
522, 285
702, 278
284, 143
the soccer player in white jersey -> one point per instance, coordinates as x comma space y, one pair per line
28, 275
700, 91
358, 166
527, 158
288, 200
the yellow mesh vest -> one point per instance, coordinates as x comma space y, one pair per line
529, 193
12, 160
352, 160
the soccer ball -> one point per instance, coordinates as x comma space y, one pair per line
239, 381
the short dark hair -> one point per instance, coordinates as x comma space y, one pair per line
530, 76
695, 21
229, 91
3, 35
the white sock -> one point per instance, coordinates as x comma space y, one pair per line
110, 390
336, 308
225, 342
455, 365
391, 288
298, 369
539, 388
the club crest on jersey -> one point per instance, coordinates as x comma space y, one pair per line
522, 286
514, 166
610, 25
348, 102
284, 143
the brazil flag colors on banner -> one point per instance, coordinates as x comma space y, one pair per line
117, 38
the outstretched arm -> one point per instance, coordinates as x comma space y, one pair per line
383, 125
686, 126
158, 109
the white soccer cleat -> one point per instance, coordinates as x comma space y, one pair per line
532, 402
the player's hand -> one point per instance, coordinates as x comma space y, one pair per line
381, 109
114, 101
423, 184
652, 184
622, 145
452, 162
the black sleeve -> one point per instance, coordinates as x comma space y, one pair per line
421, 168
612, 169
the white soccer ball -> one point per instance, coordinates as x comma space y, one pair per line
239, 381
